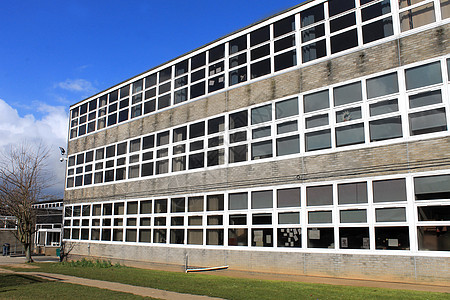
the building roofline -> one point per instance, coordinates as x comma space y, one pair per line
198, 48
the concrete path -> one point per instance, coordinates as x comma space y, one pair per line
118, 287
113, 286
8, 260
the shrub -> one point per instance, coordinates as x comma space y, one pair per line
85, 263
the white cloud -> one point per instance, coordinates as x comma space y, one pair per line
77, 85
51, 130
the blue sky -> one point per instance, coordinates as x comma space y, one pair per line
56, 53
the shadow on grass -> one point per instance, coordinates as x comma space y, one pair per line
8, 280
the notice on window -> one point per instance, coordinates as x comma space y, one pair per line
258, 236
366, 244
268, 239
393, 242
344, 242
314, 234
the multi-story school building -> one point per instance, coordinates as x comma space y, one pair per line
314, 142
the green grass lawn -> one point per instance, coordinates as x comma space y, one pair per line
16, 286
227, 287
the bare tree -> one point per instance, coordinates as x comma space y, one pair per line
23, 178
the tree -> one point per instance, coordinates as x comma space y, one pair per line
24, 176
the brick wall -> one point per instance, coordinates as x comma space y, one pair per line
435, 270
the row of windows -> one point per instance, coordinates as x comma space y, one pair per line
390, 106
264, 217
429, 238
321, 30
385, 214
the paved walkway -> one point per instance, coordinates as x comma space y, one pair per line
113, 286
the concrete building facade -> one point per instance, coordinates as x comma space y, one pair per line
313, 142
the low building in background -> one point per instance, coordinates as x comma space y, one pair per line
49, 221
48, 229
313, 142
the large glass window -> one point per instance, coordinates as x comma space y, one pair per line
214, 202
342, 22
350, 135
284, 26
354, 238
317, 121
383, 107
389, 190
160, 236
318, 140
238, 154
395, 214
262, 114
289, 218
262, 150
425, 98
316, 101
285, 60
177, 205
338, 6
288, 197
416, 17
433, 238
195, 204
321, 238
347, 93
384, 129
375, 10
433, 213
289, 237
262, 199
312, 15
161, 206
432, 187
392, 238
314, 50
195, 236
353, 216
377, 30
238, 237
319, 195
262, 237
427, 121
382, 85
313, 33
238, 119
318, 217
260, 68
344, 41
352, 193
237, 201
423, 75
238, 44
177, 236
445, 9
286, 108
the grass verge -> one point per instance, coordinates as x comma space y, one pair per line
227, 287
17, 286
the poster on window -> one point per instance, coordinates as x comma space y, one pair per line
258, 236
314, 234
344, 242
393, 242
366, 243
